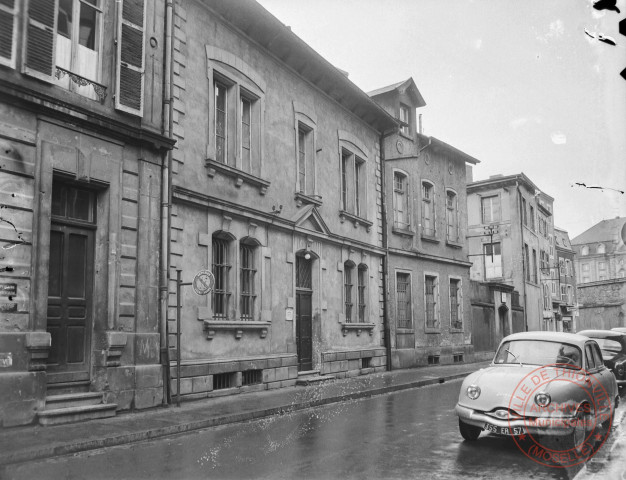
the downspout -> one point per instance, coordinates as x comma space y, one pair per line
524, 266
166, 199
386, 325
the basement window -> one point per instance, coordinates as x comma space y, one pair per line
457, 357
223, 380
433, 359
251, 377
366, 362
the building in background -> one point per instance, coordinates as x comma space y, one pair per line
426, 221
565, 292
81, 157
510, 230
600, 264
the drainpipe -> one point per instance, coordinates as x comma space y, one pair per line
386, 326
166, 198
524, 266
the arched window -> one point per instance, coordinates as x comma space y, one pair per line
428, 209
584, 250
400, 201
348, 283
452, 216
221, 264
247, 277
362, 292
600, 248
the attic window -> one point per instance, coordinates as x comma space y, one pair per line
405, 117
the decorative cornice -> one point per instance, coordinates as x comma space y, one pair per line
240, 176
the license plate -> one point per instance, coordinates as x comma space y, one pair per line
504, 430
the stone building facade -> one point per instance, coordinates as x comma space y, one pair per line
565, 300
426, 220
81, 157
511, 232
276, 190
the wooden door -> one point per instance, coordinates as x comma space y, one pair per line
304, 331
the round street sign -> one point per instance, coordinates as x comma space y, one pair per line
203, 282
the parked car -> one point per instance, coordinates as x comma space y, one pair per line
613, 346
505, 399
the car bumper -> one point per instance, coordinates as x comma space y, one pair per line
550, 426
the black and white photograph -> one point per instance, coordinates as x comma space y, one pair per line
312, 239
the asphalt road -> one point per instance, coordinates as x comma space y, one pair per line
410, 434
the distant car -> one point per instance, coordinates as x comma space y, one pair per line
504, 398
613, 346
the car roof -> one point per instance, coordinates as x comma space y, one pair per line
573, 338
619, 329
603, 334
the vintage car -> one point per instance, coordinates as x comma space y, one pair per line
542, 384
613, 346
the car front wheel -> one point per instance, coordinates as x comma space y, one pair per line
469, 432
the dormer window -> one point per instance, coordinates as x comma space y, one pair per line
405, 119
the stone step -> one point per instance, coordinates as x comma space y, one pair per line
68, 387
76, 414
54, 402
313, 379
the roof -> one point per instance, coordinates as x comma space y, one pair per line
561, 238
502, 180
603, 334
253, 20
439, 145
573, 338
407, 85
604, 231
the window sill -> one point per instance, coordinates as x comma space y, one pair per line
240, 176
430, 238
302, 199
358, 327
343, 215
454, 244
405, 331
436, 329
403, 231
212, 326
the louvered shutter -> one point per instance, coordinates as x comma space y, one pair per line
130, 57
8, 31
40, 37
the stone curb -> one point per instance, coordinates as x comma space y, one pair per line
42, 452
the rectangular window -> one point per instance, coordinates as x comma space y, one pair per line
534, 266
455, 304
428, 210
564, 293
221, 124
431, 293
221, 270
493, 260
532, 218
527, 262
524, 211
246, 134
405, 120
345, 161
248, 273
452, 217
403, 300
359, 184
353, 184
400, 201
302, 160
8, 27
490, 209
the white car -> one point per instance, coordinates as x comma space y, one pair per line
541, 384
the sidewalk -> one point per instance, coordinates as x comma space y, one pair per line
22, 444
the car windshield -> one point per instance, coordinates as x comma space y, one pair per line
538, 352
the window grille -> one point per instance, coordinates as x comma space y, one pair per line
366, 362
223, 380
248, 272
430, 290
347, 275
361, 286
251, 377
433, 359
303, 273
455, 306
221, 270
403, 297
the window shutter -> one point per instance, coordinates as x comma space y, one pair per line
8, 32
130, 56
41, 26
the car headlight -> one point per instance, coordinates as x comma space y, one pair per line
543, 399
620, 369
473, 392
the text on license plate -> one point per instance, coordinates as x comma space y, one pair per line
504, 430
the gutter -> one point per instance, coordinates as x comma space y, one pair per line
524, 266
166, 199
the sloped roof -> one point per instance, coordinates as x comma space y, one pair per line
440, 145
604, 231
405, 85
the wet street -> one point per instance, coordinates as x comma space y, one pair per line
410, 434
